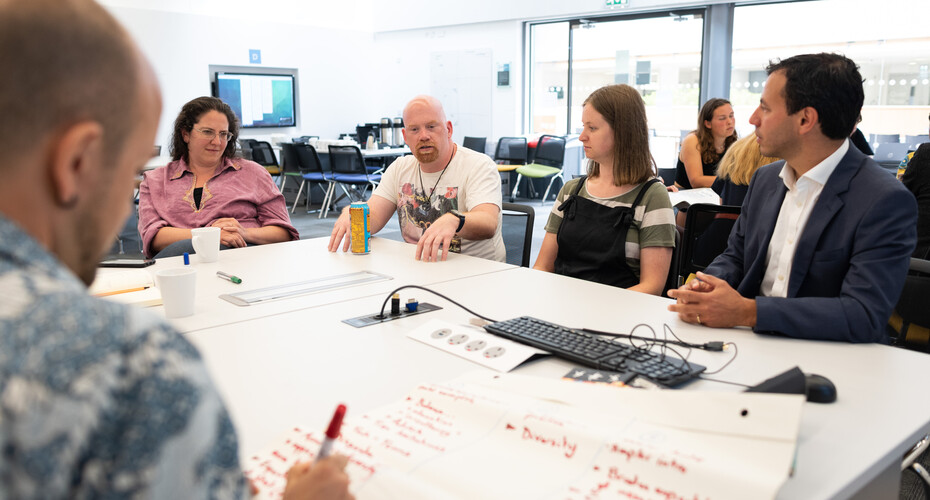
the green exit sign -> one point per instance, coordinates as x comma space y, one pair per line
612, 4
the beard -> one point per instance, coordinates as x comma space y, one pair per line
95, 236
428, 156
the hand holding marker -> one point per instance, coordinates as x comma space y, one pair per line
332, 432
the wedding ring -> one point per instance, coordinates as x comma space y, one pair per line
699, 319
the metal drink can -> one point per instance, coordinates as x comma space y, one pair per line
360, 220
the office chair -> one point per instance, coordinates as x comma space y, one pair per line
475, 143
518, 238
310, 169
550, 157
509, 154
909, 325
671, 281
914, 141
911, 463
263, 154
348, 169
667, 175
707, 229
876, 139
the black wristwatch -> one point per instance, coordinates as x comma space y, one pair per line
461, 219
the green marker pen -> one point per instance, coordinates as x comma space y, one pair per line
229, 277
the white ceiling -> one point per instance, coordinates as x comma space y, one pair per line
394, 15
355, 15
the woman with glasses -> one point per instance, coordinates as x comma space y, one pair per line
207, 185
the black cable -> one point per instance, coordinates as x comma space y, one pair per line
735, 353
707, 346
391, 294
702, 377
652, 341
649, 341
716, 346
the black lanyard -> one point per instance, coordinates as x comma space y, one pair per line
429, 198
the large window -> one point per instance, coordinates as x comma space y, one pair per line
659, 55
890, 41
549, 78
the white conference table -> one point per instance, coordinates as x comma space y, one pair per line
303, 260
278, 370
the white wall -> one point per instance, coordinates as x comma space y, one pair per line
334, 91
403, 61
357, 61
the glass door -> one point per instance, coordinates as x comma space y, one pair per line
659, 55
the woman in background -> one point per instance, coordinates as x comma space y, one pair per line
736, 167
703, 148
207, 185
615, 225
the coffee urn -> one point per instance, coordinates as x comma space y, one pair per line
398, 131
386, 129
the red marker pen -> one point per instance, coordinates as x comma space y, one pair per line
332, 432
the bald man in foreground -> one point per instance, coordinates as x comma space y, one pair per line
97, 399
447, 198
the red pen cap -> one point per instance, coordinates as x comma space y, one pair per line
332, 432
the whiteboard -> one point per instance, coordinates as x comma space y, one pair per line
462, 81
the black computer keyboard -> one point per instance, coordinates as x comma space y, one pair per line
596, 352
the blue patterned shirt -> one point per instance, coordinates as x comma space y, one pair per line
98, 399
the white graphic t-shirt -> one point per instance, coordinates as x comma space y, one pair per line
471, 179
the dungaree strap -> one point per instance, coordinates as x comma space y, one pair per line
569, 202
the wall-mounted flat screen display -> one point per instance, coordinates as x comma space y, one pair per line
259, 100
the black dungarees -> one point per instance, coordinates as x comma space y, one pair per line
592, 239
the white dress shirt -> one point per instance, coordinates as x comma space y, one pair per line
795, 210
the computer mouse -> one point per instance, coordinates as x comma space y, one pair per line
819, 389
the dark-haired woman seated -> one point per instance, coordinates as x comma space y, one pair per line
207, 185
615, 225
702, 149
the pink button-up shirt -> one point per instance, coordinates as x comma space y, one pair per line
240, 189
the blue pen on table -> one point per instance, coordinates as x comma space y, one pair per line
187, 259
332, 432
229, 277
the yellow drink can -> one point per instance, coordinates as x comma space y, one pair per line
360, 227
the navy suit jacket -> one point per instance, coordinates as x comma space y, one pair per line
850, 261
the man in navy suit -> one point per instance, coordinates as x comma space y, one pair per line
822, 245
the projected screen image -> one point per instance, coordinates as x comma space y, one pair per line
259, 100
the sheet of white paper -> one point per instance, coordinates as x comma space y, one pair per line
149, 297
480, 440
474, 345
688, 197
109, 281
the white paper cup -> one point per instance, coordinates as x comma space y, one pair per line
177, 286
206, 242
